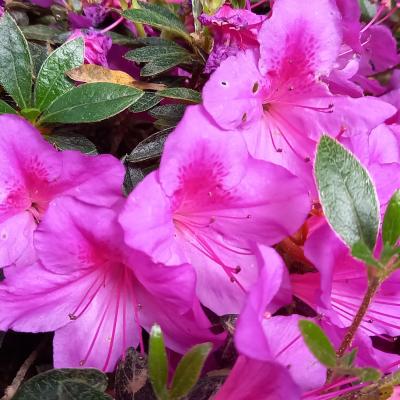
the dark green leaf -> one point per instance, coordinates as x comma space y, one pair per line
51, 81
159, 17
391, 221
318, 343
131, 378
164, 63
150, 53
158, 363
72, 142
206, 388
154, 41
65, 384
181, 94
90, 102
347, 194
188, 370
149, 148
133, 176
42, 33
119, 39
6, 108
39, 55
144, 103
170, 112
16, 67
361, 251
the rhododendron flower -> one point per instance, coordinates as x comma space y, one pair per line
233, 30
33, 173
97, 45
208, 204
278, 100
337, 289
96, 293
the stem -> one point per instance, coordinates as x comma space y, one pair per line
368, 297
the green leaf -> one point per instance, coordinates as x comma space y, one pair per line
41, 33
39, 55
365, 374
188, 370
72, 142
164, 63
51, 81
30, 113
391, 221
90, 102
347, 194
169, 112
65, 384
154, 41
149, 148
361, 251
158, 363
159, 17
144, 103
150, 53
181, 94
348, 359
16, 67
318, 343
6, 108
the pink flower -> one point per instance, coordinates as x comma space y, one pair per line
337, 289
208, 204
97, 46
96, 293
33, 173
233, 30
277, 99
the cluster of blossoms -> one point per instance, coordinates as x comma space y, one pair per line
225, 221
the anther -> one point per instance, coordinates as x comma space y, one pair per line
72, 317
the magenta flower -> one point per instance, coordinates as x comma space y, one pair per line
33, 173
97, 45
261, 380
337, 289
233, 30
96, 293
208, 204
278, 100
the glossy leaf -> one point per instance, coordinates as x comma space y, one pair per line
159, 17
170, 112
186, 94
42, 33
90, 102
147, 101
158, 363
16, 66
6, 108
318, 343
51, 81
188, 370
72, 142
347, 194
39, 55
391, 221
65, 384
150, 53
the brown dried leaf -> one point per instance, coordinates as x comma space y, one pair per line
90, 73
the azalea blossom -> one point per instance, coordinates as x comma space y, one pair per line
209, 204
277, 98
96, 293
33, 173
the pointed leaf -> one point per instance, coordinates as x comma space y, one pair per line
347, 194
391, 221
6, 108
90, 102
72, 142
16, 67
361, 251
147, 101
159, 17
318, 343
51, 81
188, 370
149, 148
186, 94
158, 363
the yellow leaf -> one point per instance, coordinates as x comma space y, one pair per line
90, 73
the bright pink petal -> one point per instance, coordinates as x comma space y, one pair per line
261, 380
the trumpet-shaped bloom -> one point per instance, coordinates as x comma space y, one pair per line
337, 289
96, 293
278, 100
33, 173
208, 204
